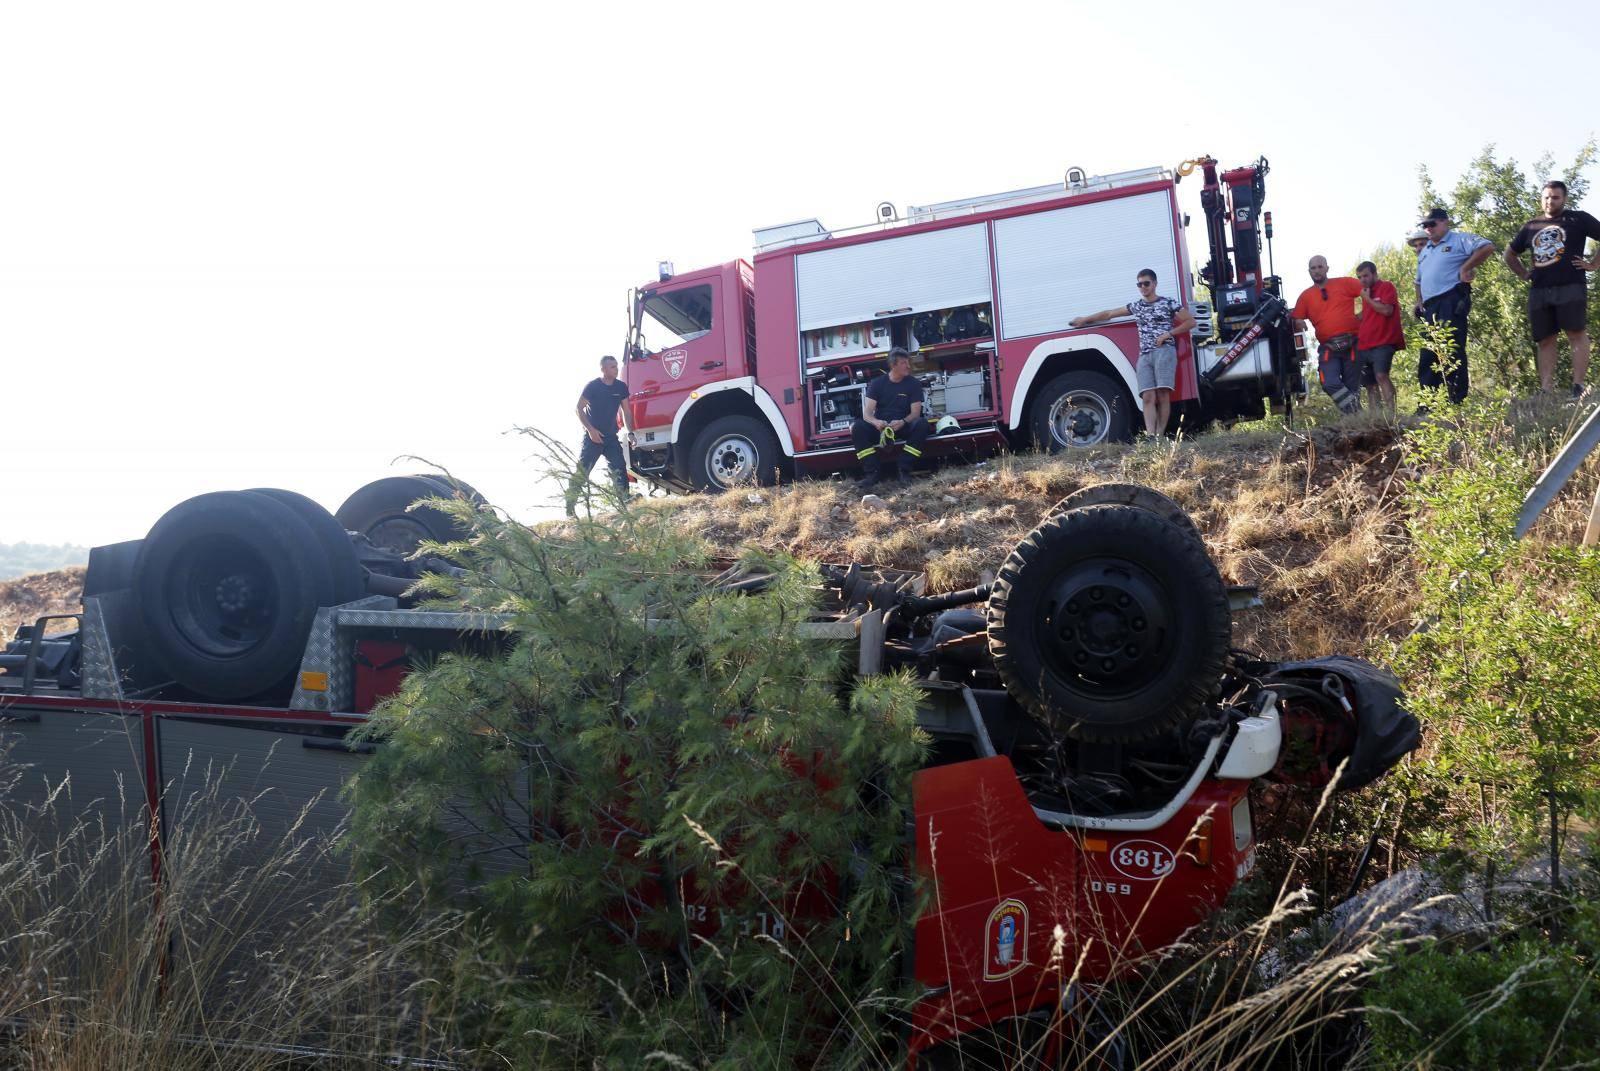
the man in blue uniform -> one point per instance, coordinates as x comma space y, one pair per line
891, 412
1445, 270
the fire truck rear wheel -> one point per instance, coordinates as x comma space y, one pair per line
228, 584
1129, 494
1079, 409
448, 486
379, 512
1109, 623
733, 451
345, 568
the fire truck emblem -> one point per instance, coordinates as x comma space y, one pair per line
673, 363
1005, 941
1548, 245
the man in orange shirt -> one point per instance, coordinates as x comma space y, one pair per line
1330, 305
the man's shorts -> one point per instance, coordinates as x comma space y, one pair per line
1158, 369
1557, 308
1375, 362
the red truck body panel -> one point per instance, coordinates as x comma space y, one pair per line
1080, 903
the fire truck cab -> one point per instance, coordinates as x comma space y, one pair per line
750, 372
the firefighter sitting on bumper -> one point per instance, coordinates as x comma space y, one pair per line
891, 413
1330, 305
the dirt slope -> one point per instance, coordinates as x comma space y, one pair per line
27, 598
1313, 521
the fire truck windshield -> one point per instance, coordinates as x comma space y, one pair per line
685, 314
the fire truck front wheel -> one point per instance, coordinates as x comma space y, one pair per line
228, 584
732, 451
1109, 623
1078, 409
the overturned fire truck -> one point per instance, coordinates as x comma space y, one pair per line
1088, 701
752, 372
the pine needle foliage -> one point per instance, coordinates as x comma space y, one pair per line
674, 828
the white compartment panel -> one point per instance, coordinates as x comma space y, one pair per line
919, 272
1056, 265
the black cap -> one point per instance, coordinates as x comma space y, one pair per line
1436, 214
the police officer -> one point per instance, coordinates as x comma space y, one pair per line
1446, 266
597, 411
891, 412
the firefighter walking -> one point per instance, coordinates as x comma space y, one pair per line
597, 410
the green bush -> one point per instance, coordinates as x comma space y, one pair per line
1495, 670
1527, 1004
671, 826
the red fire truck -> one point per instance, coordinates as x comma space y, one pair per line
751, 372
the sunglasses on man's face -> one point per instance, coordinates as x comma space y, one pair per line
1428, 226
1146, 282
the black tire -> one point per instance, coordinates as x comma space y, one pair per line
378, 511
1080, 409
448, 486
733, 451
227, 586
1109, 623
1129, 494
344, 567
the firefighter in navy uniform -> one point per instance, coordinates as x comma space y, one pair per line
891, 413
597, 410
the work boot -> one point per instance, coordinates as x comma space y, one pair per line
871, 474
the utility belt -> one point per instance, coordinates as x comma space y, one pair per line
1338, 345
1453, 302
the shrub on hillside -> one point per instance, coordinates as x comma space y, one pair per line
1521, 1004
667, 824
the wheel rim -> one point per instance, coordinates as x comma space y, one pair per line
402, 535
222, 597
1080, 418
1104, 624
731, 460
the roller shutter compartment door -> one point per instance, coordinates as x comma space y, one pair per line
916, 273
1053, 266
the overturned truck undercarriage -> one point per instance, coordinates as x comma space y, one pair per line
1087, 703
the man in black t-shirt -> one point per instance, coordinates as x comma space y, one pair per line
1558, 298
597, 411
891, 412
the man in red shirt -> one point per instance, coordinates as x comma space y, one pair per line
1380, 336
1330, 305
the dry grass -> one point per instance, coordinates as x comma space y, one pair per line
1312, 519
246, 959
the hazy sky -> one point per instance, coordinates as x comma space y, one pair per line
281, 244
